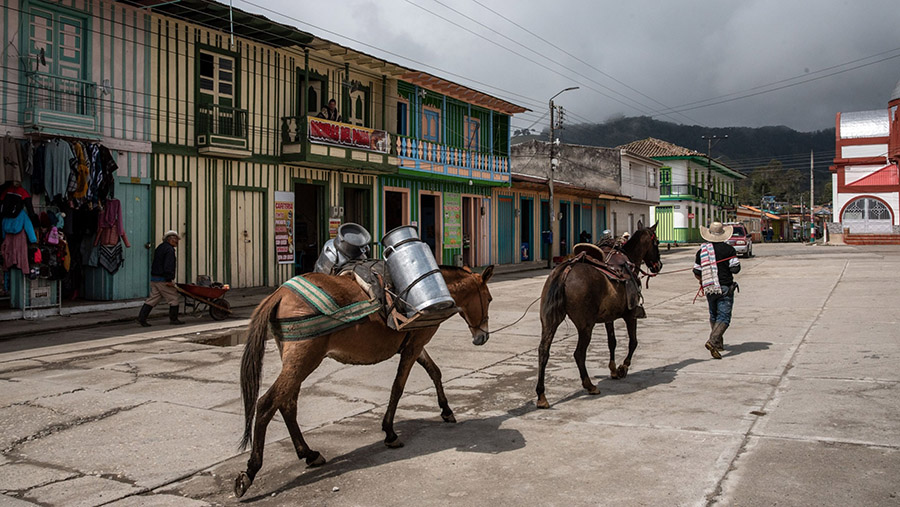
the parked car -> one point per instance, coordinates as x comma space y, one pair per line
741, 240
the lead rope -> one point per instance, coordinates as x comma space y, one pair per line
519, 319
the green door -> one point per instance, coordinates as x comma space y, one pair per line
133, 279
506, 230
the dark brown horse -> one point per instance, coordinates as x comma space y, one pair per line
369, 341
588, 296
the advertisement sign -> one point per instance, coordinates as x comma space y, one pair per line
452, 220
284, 227
342, 134
333, 225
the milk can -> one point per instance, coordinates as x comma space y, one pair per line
351, 243
415, 274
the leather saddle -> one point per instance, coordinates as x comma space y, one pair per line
613, 263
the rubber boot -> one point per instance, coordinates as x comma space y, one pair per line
173, 316
145, 312
719, 332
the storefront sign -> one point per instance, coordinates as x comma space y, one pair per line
284, 227
452, 221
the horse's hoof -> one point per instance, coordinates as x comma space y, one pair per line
449, 418
613, 374
315, 461
593, 390
622, 372
543, 403
242, 484
394, 444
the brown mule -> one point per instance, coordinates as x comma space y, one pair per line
369, 341
588, 296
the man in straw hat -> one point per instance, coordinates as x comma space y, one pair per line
714, 266
162, 276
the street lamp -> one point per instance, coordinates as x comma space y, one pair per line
553, 163
709, 140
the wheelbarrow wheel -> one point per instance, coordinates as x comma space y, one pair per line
218, 314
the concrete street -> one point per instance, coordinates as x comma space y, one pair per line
804, 408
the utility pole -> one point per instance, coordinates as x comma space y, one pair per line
812, 221
554, 162
709, 140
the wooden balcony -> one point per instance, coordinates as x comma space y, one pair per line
329, 144
440, 159
222, 131
60, 105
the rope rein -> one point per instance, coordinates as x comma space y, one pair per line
519, 319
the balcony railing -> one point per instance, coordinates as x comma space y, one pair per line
222, 130
453, 161
58, 103
213, 119
320, 141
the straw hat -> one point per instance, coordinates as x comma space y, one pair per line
171, 233
716, 232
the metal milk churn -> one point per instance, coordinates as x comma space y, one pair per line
351, 243
416, 277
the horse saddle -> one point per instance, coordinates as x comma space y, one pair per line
613, 263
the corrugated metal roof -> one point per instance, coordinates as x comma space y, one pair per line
859, 124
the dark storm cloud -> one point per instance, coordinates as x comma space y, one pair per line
675, 53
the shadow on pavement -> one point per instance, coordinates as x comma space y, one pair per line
653, 377
423, 437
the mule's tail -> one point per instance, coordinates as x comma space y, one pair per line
553, 307
252, 360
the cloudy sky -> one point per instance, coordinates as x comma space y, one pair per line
660, 58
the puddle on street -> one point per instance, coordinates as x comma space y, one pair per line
228, 338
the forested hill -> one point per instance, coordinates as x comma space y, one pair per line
745, 149
779, 156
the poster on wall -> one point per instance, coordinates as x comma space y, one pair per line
284, 227
452, 220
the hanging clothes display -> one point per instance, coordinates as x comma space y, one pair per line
111, 225
58, 157
10, 160
81, 171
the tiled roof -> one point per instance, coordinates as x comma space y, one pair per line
652, 147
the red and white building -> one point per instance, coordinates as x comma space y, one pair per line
865, 174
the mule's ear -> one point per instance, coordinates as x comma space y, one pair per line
487, 273
653, 229
640, 225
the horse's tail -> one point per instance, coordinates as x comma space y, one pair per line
553, 306
252, 360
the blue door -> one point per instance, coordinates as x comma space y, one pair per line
564, 224
546, 247
586, 222
526, 228
133, 279
506, 229
431, 126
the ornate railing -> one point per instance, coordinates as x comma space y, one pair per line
50, 92
437, 153
214, 119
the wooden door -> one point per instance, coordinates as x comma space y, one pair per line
506, 230
132, 280
247, 240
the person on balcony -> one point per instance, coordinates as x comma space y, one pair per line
331, 112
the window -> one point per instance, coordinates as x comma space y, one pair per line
402, 118
431, 124
473, 134
652, 175
216, 78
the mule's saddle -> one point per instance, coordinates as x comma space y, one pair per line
614, 264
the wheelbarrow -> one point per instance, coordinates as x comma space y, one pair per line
201, 297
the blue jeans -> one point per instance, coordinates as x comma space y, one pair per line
720, 305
